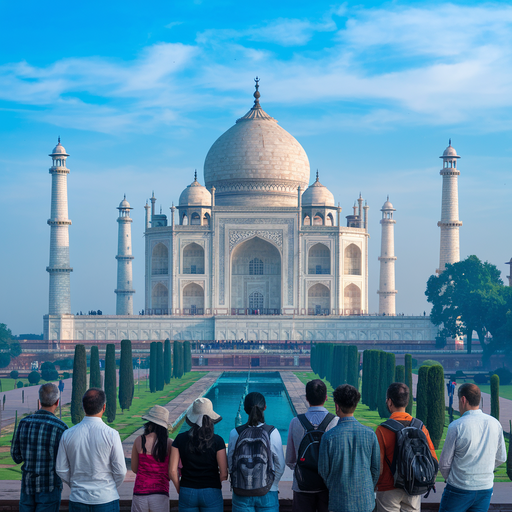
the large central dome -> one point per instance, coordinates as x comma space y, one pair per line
256, 163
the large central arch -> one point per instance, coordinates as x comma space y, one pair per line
256, 277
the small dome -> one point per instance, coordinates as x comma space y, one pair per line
387, 205
450, 152
124, 204
317, 195
59, 150
195, 195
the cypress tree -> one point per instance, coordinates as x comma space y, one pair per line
400, 373
175, 359
374, 379
181, 360
79, 384
509, 454
435, 404
167, 361
364, 387
187, 356
110, 382
126, 384
159, 366
495, 397
329, 347
336, 365
353, 366
382, 384
421, 395
312, 357
152, 367
94, 365
408, 381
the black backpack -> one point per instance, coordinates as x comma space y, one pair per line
306, 468
252, 471
414, 469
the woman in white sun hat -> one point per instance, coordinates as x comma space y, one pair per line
150, 461
203, 456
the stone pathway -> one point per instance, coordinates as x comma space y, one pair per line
296, 391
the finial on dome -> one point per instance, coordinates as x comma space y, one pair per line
450, 141
58, 139
195, 175
317, 175
125, 196
257, 93
388, 198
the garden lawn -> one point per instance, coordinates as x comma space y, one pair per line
125, 423
8, 384
373, 420
505, 391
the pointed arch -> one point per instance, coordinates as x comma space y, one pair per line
352, 302
319, 259
319, 300
193, 299
195, 219
159, 260
318, 219
193, 259
160, 298
307, 220
353, 263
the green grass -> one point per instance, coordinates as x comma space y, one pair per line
8, 384
505, 391
125, 423
373, 420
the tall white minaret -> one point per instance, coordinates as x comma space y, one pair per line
148, 216
449, 223
387, 260
124, 291
59, 269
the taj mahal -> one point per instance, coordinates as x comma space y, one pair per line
260, 251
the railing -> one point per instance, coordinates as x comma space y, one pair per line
319, 312
191, 311
249, 311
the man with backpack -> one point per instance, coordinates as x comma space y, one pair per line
404, 445
310, 493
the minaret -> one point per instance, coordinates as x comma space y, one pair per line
510, 276
387, 260
449, 223
148, 218
59, 269
124, 291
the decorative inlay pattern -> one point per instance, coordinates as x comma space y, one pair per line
237, 236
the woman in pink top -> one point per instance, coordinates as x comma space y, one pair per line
150, 462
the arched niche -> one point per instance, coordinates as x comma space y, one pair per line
160, 298
184, 220
159, 260
318, 219
306, 221
330, 220
256, 268
353, 263
319, 259
193, 259
352, 302
193, 299
195, 219
206, 219
319, 300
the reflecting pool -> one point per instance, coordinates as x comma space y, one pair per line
226, 396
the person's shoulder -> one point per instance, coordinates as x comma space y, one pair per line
219, 441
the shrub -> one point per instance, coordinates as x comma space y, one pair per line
421, 394
34, 377
66, 375
187, 356
481, 378
14, 374
79, 385
94, 365
110, 382
435, 404
26, 385
159, 366
431, 362
495, 397
414, 363
504, 374
48, 371
400, 373
126, 385
167, 361
408, 381
19, 385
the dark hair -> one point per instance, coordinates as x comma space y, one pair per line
200, 438
471, 392
159, 450
316, 392
93, 401
254, 405
346, 397
398, 393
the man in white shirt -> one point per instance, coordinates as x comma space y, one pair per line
91, 459
473, 449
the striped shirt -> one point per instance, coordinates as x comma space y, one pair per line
36, 443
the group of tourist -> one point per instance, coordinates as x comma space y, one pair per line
338, 464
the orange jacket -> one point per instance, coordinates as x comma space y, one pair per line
387, 449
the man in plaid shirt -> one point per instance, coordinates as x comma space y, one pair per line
36, 444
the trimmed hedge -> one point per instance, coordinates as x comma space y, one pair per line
167, 361
421, 394
110, 382
79, 384
94, 366
159, 366
187, 356
152, 367
400, 373
126, 384
435, 404
495, 397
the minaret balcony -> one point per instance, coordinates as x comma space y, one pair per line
56, 270
451, 224
124, 292
59, 222
122, 258
58, 170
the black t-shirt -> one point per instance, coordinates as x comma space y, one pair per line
200, 470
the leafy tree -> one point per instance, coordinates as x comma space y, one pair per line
495, 396
126, 384
408, 381
34, 377
152, 367
187, 356
435, 404
14, 374
465, 297
159, 366
94, 367
167, 361
422, 394
110, 382
400, 373
48, 371
79, 384
9, 348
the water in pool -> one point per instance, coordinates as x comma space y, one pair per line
227, 393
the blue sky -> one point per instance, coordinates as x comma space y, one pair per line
138, 93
